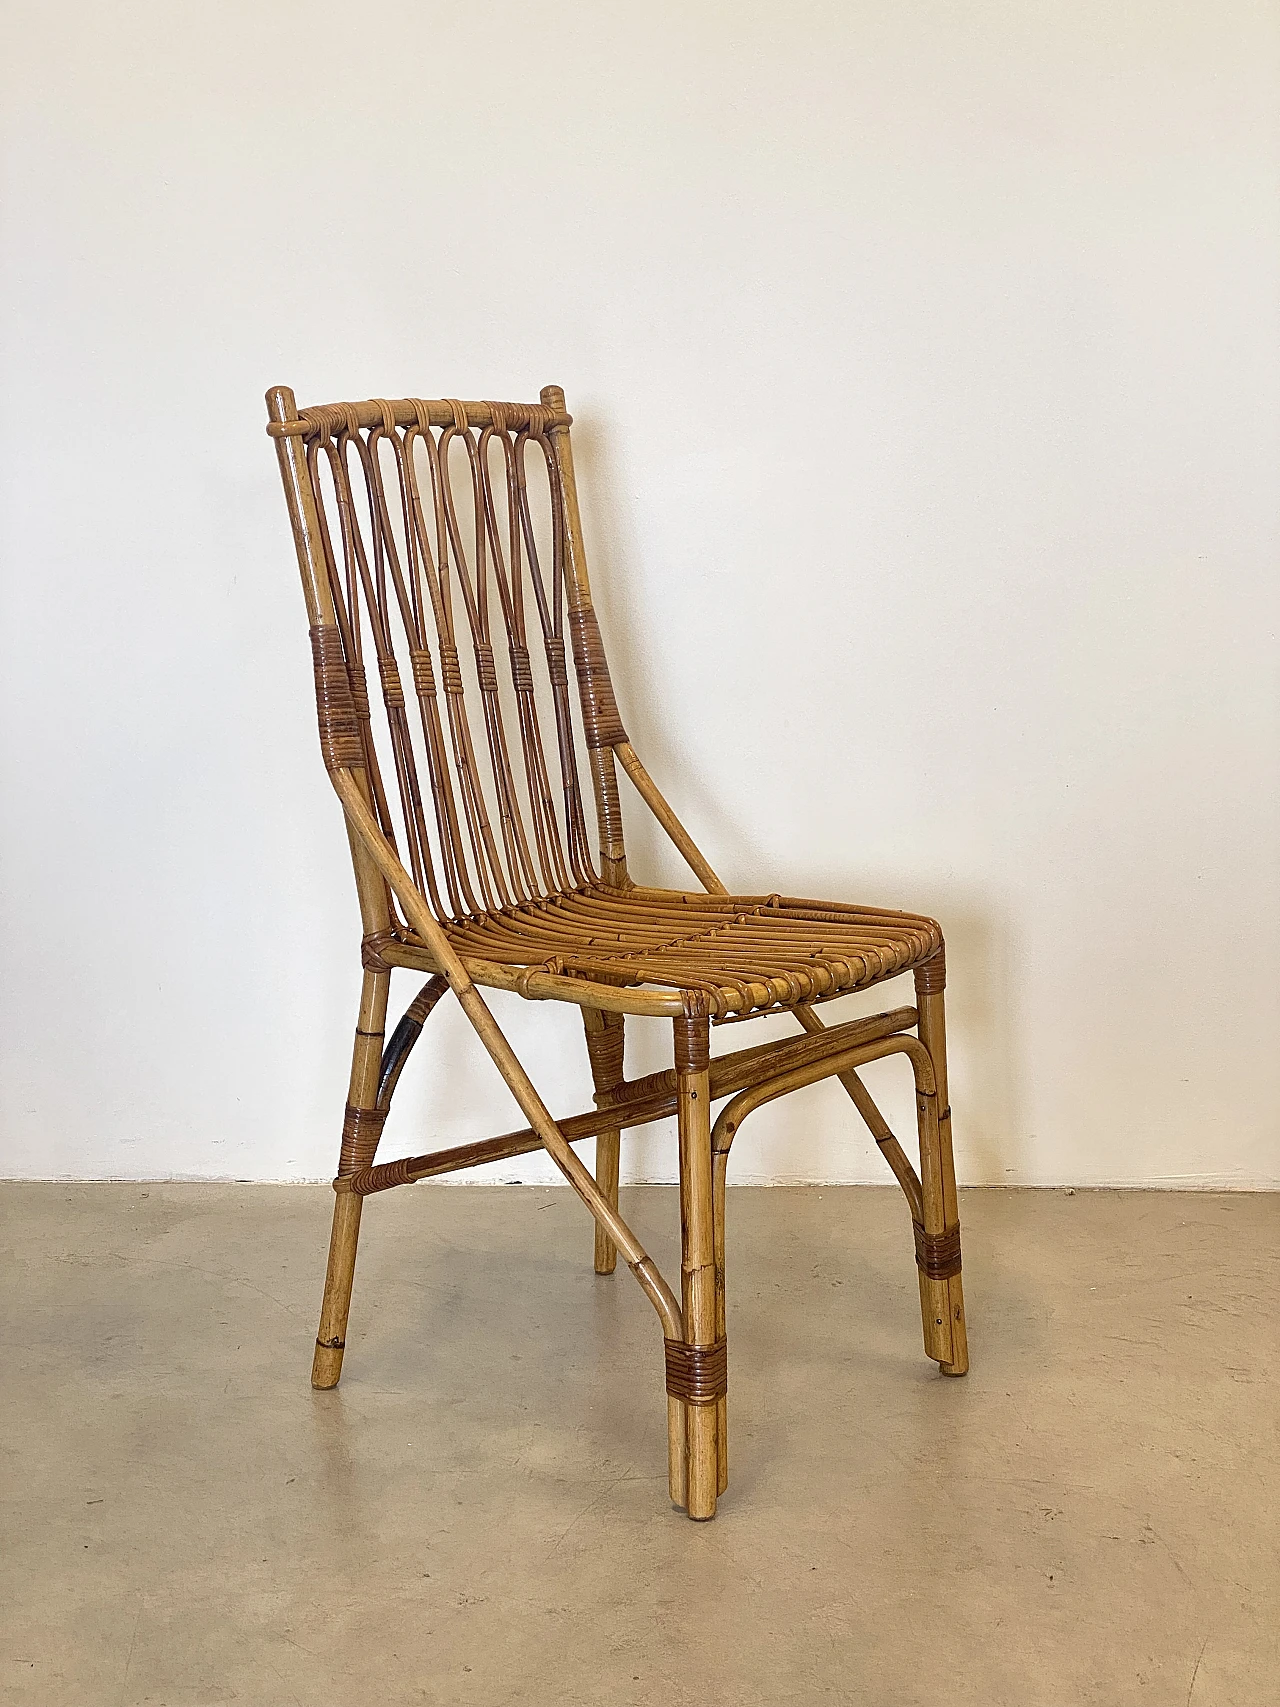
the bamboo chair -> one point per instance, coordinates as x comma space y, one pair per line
445, 537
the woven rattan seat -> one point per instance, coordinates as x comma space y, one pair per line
743, 953
447, 593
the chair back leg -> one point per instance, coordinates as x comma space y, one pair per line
605, 1041
938, 1239
361, 1129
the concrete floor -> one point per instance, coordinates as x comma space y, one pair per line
479, 1512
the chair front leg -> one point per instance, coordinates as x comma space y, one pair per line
605, 1042
938, 1239
719, 1180
361, 1130
695, 1369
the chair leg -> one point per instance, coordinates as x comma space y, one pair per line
331, 1336
719, 1179
605, 1041
361, 1129
700, 1361
938, 1239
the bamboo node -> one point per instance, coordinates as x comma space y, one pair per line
937, 1254
697, 1374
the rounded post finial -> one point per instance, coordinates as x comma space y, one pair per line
282, 405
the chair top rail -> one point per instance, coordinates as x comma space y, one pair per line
314, 418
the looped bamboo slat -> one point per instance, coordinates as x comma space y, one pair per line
446, 586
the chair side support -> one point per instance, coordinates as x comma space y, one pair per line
636, 1102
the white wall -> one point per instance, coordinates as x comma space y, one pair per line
924, 363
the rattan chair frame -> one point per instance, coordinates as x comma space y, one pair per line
388, 561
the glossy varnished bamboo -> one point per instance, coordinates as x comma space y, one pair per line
933, 1034
482, 858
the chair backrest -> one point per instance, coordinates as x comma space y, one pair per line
442, 560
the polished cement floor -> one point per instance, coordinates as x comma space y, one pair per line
479, 1512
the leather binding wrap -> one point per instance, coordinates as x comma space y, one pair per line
692, 1044
361, 1130
697, 1374
602, 724
340, 742
937, 1254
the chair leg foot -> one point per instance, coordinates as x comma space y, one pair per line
677, 1453
326, 1366
942, 1313
703, 1462
697, 1473
958, 1363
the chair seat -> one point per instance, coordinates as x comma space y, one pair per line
744, 953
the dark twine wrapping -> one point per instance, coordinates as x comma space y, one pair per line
937, 1254
697, 1374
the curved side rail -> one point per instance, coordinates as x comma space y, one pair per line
406, 1034
732, 1115
420, 917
